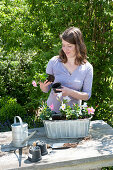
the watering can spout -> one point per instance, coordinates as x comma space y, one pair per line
33, 133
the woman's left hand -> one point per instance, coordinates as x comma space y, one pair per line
65, 91
73, 93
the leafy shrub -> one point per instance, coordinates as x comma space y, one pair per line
6, 126
40, 77
6, 100
10, 110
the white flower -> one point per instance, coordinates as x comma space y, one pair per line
80, 113
59, 95
80, 107
67, 98
84, 105
63, 106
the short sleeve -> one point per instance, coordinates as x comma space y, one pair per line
49, 68
87, 85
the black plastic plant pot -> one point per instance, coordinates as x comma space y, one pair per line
34, 154
43, 147
56, 116
56, 86
50, 78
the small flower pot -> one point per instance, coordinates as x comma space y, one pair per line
67, 128
34, 154
43, 147
56, 86
56, 116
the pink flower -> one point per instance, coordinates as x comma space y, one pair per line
51, 107
34, 83
91, 110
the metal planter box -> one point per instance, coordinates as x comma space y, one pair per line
66, 128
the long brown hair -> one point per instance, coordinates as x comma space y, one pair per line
73, 35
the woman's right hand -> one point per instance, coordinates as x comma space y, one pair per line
44, 86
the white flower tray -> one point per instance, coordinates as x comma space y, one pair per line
67, 128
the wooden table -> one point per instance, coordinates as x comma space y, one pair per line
96, 152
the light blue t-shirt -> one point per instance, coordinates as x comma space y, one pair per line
80, 80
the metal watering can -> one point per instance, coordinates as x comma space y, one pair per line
20, 133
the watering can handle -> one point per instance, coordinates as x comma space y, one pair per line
19, 120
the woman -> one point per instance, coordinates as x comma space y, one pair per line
71, 69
